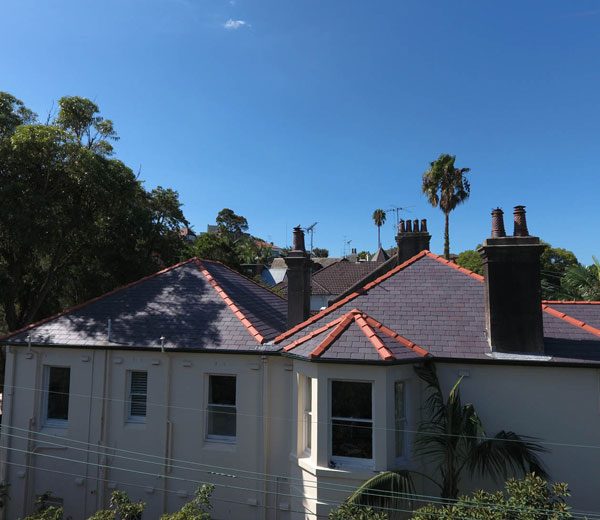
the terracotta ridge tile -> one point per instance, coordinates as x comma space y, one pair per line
347, 319
229, 302
97, 298
382, 350
350, 297
571, 302
455, 266
243, 276
571, 320
312, 334
397, 337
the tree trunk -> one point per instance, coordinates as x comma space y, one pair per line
378, 238
447, 238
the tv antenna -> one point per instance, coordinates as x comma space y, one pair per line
311, 229
397, 211
346, 244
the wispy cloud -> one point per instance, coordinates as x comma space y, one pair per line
235, 24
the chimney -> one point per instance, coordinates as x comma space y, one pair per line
513, 294
298, 275
411, 238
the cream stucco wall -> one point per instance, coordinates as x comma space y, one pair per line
265, 473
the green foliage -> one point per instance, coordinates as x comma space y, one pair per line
197, 509
83, 223
582, 283
471, 260
44, 511
379, 217
364, 255
355, 512
554, 263
320, 252
445, 186
230, 223
121, 508
528, 499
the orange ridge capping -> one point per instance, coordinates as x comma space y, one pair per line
455, 266
395, 336
311, 335
238, 313
97, 298
346, 320
382, 350
571, 320
350, 297
243, 276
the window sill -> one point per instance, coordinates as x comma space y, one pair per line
348, 471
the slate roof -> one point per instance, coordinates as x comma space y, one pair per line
336, 278
195, 305
438, 307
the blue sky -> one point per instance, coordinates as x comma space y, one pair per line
291, 112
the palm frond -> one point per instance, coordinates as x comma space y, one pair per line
387, 489
507, 453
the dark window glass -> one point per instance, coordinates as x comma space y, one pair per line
221, 420
58, 393
351, 423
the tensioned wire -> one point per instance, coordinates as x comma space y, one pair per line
144, 487
328, 502
327, 423
380, 493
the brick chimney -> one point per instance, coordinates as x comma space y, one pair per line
412, 238
511, 269
298, 275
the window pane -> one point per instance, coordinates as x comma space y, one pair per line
221, 390
58, 393
308, 426
352, 439
350, 399
308, 395
221, 420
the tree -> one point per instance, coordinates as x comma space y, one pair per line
363, 255
453, 439
90, 225
353, 512
471, 260
554, 263
445, 186
230, 223
379, 220
121, 508
582, 283
197, 509
320, 253
528, 499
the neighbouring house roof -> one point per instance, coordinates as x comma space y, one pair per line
380, 256
437, 307
195, 305
336, 278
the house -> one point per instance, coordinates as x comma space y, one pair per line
197, 374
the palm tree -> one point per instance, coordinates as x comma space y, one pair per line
446, 186
379, 219
582, 283
453, 438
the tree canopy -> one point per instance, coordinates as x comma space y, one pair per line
320, 252
74, 222
446, 186
379, 217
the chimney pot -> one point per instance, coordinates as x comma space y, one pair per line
298, 273
298, 243
498, 223
416, 225
411, 239
520, 222
401, 227
424, 225
409, 226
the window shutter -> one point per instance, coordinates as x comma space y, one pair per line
139, 390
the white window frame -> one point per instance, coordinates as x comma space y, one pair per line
130, 393
351, 461
307, 414
400, 423
233, 407
48, 421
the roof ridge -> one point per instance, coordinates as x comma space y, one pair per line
570, 320
375, 340
350, 297
455, 266
312, 334
95, 299
397, 337
571, 302
243, 276
230, 303
346, 320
